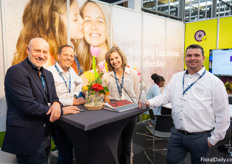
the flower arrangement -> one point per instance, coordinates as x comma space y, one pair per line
96, 86
228, 86
95, 52
94, 90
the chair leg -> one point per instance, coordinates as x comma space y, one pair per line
132, 154
49, 158
153, 147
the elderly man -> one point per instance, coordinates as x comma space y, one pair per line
200, 109
68, 86
32, 106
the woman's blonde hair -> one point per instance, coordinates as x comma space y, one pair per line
107, 58
42, 19
83, 51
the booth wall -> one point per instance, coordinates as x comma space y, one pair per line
151, 43
209, 41
2, 75
218, 35
225, 33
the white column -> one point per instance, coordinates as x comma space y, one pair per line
135, 4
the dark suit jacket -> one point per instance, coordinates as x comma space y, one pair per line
27, 107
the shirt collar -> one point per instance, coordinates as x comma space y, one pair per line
199, 72
33, 66
127, 71
61, 69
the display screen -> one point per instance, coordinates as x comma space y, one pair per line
220, 62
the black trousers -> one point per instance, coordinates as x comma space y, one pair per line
41, 157
63, 144
124, 145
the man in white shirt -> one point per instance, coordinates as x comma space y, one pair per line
68, 86
200, 109
68, 83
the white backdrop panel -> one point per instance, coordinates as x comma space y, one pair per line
154, 47
162, 47
126, 26
2, 77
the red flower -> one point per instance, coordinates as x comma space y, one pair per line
97, 87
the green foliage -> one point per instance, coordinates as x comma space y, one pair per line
2, 134
53, 146
143, 117
228, 86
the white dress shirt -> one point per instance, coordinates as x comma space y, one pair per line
62, 90
130, 84
203, 107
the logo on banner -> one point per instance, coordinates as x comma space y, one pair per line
200, 35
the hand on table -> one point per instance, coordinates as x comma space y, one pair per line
70, 110
78, 101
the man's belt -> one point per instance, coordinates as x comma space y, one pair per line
186, 132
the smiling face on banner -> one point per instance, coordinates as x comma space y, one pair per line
76, 21
94, 25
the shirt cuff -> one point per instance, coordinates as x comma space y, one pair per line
150, 106
212, 141
67, 102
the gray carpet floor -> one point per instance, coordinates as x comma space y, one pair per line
142, 150
143, 154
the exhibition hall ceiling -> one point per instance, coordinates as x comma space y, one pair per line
193, 9
184, 10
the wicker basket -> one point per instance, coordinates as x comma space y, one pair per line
93, 107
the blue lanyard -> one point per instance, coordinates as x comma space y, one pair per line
69, 88
119, 91
79, 70
185, 90
43, 81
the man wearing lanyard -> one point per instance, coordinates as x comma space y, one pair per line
68, 86
32, 106
200, 109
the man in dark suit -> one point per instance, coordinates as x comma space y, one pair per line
32, 106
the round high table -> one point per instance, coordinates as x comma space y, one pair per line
95, 134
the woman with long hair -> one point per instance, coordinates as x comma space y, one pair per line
47, 19
123, 83
97, 33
